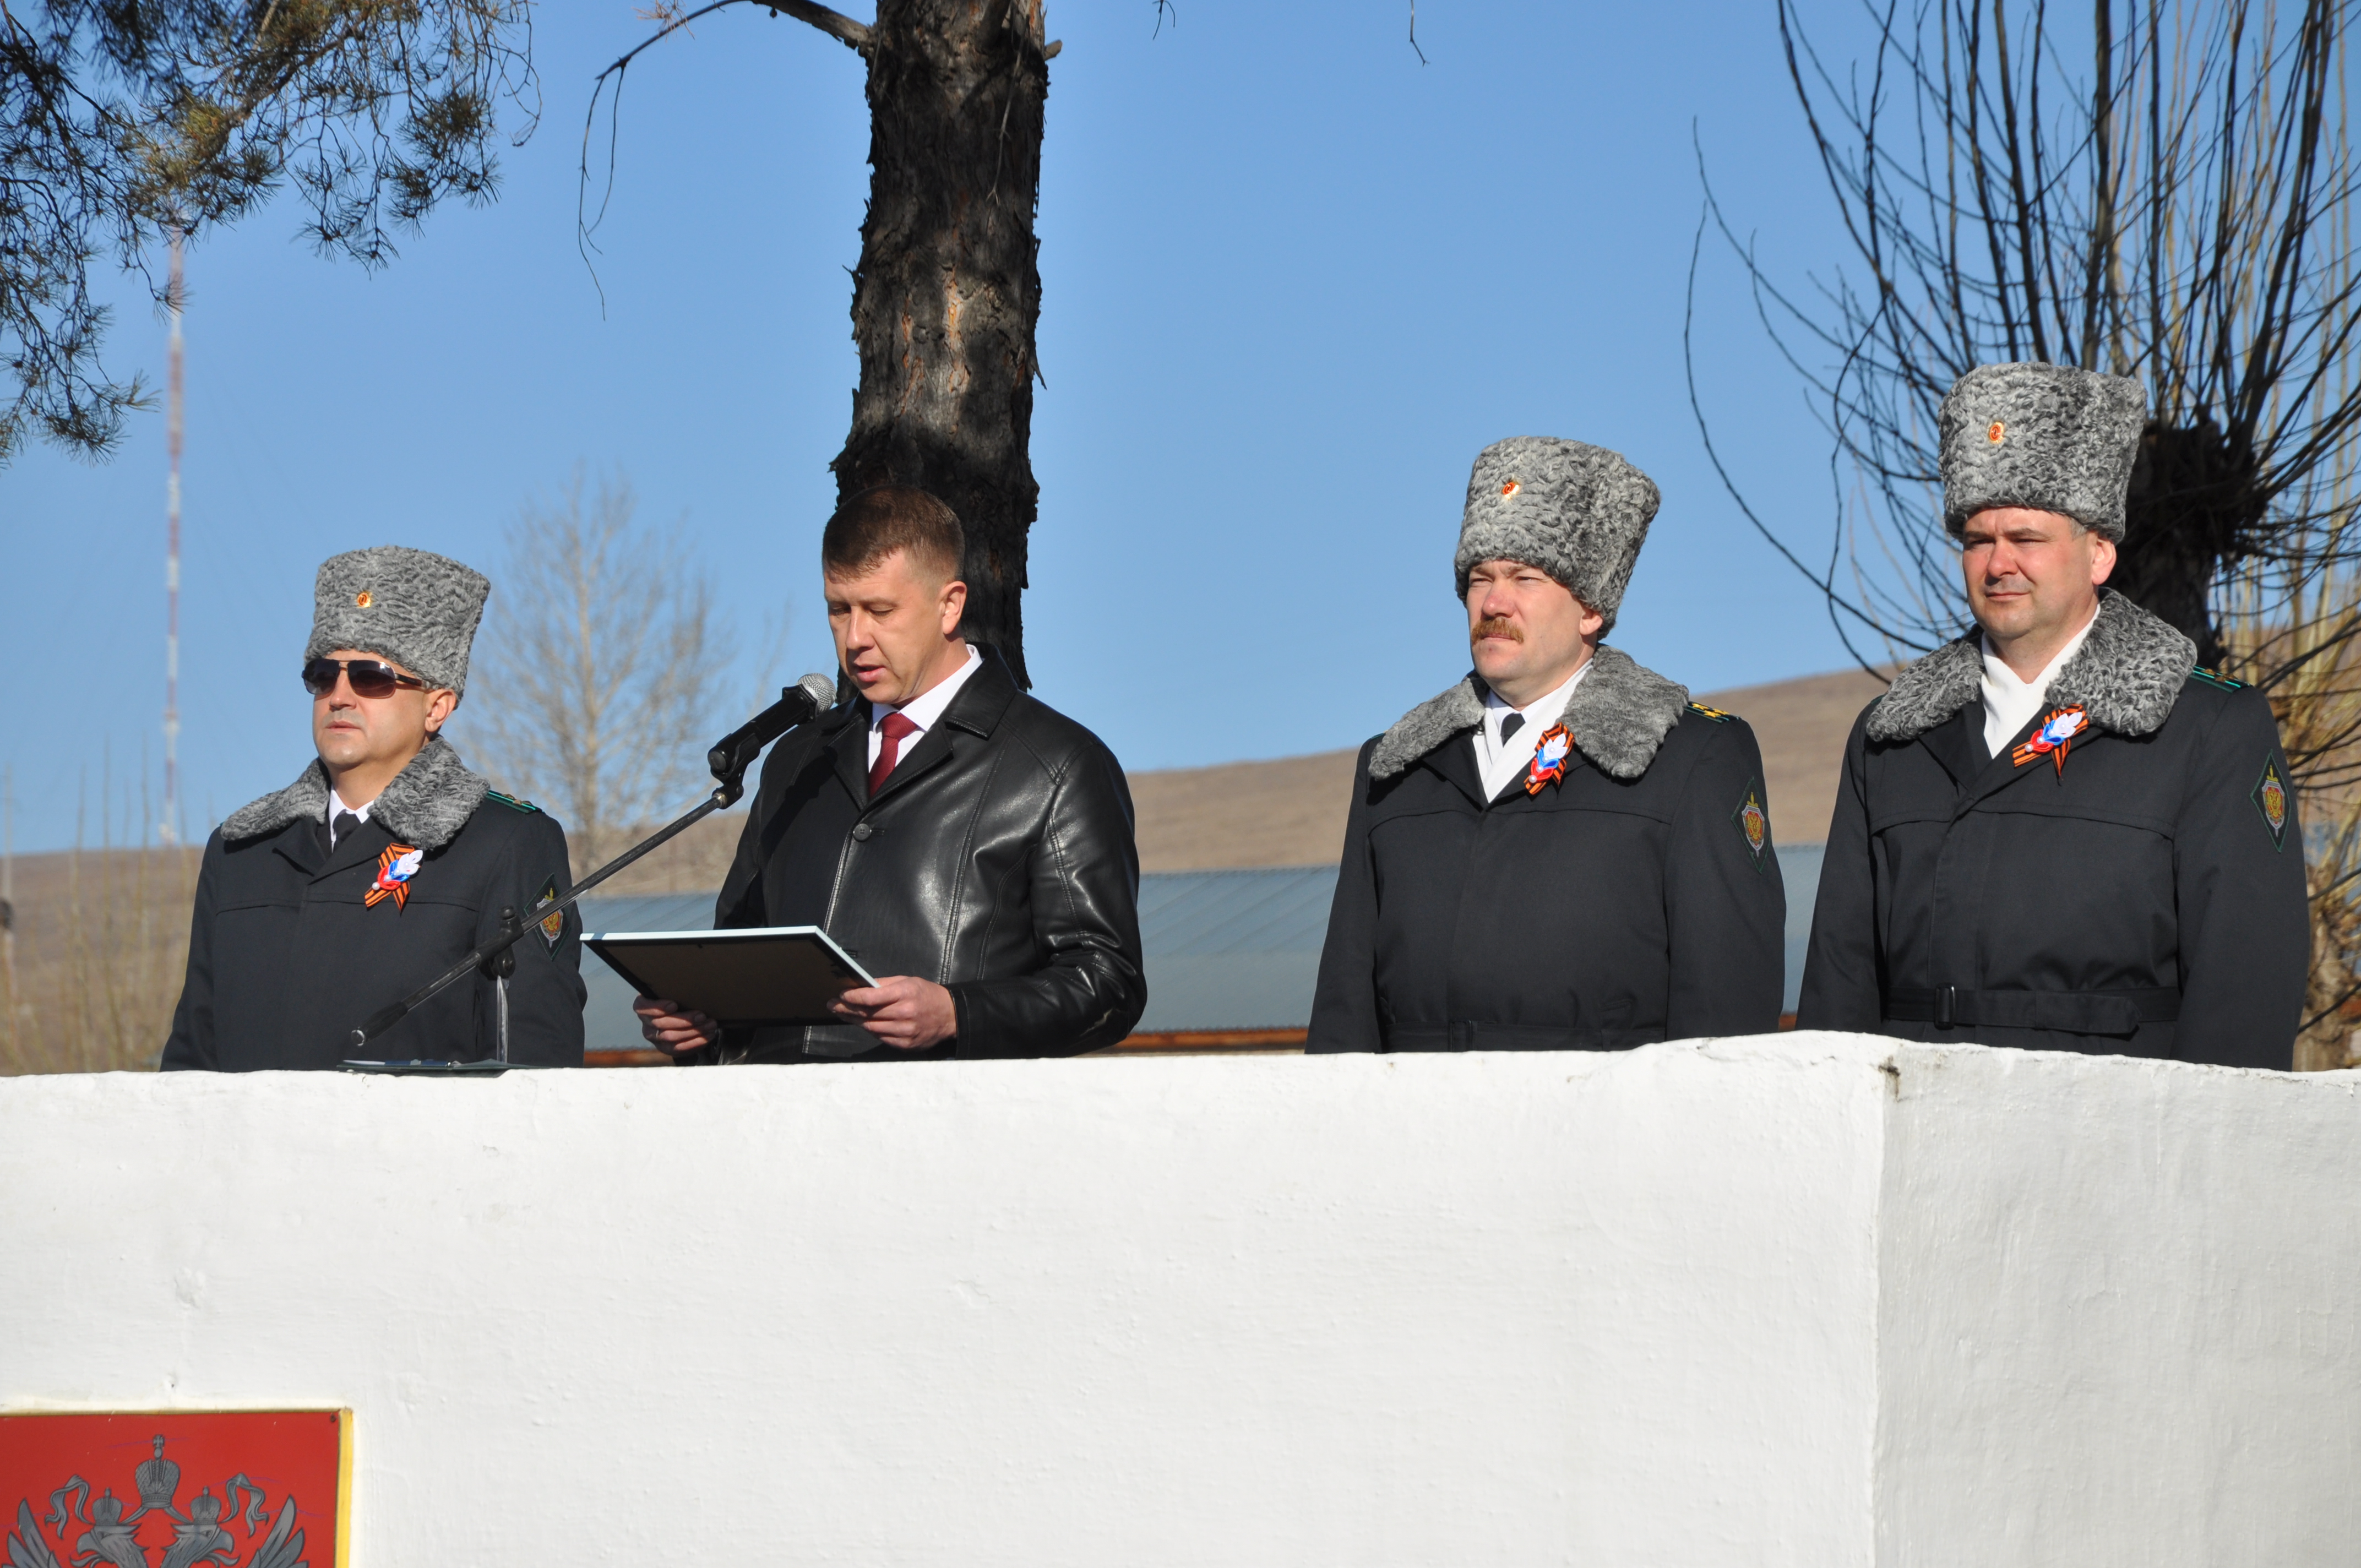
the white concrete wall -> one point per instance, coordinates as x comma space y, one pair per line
1801, 1301
2120, 1314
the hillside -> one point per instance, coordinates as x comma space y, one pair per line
1292, 811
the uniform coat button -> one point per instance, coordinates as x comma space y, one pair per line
861, 831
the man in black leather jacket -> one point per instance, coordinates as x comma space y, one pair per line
956, 835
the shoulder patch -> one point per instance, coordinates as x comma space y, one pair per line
553, 924
2270, 797
2216, 679
1753, 824
511, 802
1702, 711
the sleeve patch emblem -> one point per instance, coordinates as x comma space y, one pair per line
553, 924
2271, 798
1753, 823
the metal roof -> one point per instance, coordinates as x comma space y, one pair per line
1226, 950
1233, 949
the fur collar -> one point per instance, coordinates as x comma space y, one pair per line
424, 806
2126, 676
1619, 714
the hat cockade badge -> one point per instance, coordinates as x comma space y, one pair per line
396, 864
1996, 432
1549, 759
1510, 488
363, 600
2054, 738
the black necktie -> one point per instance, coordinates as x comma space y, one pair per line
1509, 726
346, 823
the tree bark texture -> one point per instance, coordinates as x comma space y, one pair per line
948, 293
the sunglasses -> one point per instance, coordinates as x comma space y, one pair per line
370, 678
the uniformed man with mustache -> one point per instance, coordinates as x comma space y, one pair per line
1562, 851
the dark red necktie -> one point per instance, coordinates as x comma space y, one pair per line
895, 727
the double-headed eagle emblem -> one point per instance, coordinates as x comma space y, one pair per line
108, 1534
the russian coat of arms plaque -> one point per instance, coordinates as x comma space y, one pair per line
175, 1489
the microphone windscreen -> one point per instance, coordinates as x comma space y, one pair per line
822, 689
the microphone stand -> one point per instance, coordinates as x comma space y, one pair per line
728, 761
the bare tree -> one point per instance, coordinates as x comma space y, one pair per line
122, 119
2163, 191
601, 667
948, 294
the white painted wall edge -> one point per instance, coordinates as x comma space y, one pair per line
1516, 1308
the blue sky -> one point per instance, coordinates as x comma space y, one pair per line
1292, 278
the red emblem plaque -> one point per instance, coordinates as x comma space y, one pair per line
226, 1489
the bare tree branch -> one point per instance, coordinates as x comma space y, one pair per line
601, 669
853, 35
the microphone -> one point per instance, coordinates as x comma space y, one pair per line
736, 751
730, 759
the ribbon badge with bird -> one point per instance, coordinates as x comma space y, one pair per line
396, 864
2054, 738
1549, 759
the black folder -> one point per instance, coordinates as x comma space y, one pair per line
771, 975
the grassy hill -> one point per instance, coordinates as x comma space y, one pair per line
1290, 812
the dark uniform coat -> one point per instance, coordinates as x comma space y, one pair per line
996, 860
2146, 898
1637, 899
286, 957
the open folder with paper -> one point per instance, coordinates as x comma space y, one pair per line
770, 975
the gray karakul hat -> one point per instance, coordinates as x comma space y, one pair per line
2051, 437
418, 610
1577, 511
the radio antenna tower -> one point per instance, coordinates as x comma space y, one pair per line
170, 830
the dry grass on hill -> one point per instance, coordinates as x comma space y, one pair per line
1290, 812
1801, 726
101, 940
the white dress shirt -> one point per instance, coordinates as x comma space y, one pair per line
923, 711
336, 804
2009, 703
1498, 762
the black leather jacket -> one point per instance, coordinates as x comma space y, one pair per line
997, 861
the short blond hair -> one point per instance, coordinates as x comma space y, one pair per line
874, 523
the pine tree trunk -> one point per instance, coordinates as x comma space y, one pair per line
949, 291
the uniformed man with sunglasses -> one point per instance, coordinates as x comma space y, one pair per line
385, 864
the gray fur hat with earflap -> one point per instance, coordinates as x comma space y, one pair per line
1578, 512
2048, 437
416, 609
